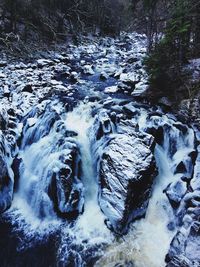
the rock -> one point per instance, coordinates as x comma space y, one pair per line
126, 171
36, 128
103, 76
103, 124
195, 182
87, 69
126, 168
132, 60
28, 88
165, 102
31, 121
185, 247
175, 193
74, 76
130, 110
140, 88
66, 189
129, 78
186, 165
16, 170
111, 89
44, 62
6, 177
3, 64
6, 186
158, 134
2, 75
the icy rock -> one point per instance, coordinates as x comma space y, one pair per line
111, 89
195, 182
2, 75
104, 76
186, 166
185, 247
140, 88
74, 76
31, 121
126, 172
130, 78
175, 192
130, 109
126, 168
44, 62
3, 63
103, 124
66, 189
6, 179
87, 69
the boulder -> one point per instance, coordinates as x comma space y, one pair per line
175, 192
66, 189
6, 178
125, 168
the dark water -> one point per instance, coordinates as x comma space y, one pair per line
36, 252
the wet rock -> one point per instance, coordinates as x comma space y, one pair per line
104, 125
132, 60
6, 186
44, 62
28, 88
3, 63
87, 69
111, 89
103, 76
175, 193
126, 168
130, 109
66, 189
126, 172
6, 177
185, 247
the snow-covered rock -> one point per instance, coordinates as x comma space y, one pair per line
87, 69
126, 168
111, 89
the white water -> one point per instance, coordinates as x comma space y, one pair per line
148, 240
90, 226
92, 220
32, 208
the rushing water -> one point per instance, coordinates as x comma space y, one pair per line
80, 121
148, 239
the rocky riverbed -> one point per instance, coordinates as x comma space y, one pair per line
92, 174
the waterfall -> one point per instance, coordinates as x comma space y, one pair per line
148, 239
80, 121
89, 232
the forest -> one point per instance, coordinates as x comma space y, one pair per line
172, 28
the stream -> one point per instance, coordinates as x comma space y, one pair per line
62, 212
